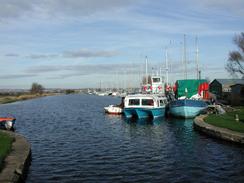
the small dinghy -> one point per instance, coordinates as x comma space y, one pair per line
7, 122
113, 109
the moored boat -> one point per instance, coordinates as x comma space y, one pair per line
186, 108
144, 106
191, 96
7, 122
113, 109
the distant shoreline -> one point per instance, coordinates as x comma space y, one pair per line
14, 98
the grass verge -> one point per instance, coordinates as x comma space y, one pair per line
13, 98
227, 120
5, 147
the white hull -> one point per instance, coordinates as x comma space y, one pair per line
111, 109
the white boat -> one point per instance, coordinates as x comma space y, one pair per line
102, 94
113, 109
7, 122
144, 106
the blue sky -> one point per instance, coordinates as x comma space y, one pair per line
82, 43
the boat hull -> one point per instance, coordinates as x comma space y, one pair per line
144, 112
113, 110
186, 108
130, 112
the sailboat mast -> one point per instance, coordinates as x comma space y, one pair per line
197, 58
167, 66
146, 71
185, 62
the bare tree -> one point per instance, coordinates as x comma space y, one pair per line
36, 88
235, 65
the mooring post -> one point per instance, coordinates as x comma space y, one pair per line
237, 118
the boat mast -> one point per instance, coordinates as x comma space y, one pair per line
167, 65
146, 71
125, 82
197, 58
185, 62
100, 85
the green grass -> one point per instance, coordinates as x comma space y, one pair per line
5, 146
7, 100
227, 120
14, 98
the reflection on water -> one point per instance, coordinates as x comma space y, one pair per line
145, 121
74, 141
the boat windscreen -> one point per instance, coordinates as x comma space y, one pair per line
156, 80
148, 102
134, 102
162, 102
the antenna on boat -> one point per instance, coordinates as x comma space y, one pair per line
197, 58
185, 62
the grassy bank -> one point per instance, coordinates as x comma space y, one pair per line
5, 146
14, 98
227, 120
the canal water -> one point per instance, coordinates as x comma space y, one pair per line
74, 141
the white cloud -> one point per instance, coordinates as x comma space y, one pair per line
88, 53
17, 76
229, 6
54, 8
52, 31
85, 69
14, 8
83, 7
42, 56
82, 53
11, 55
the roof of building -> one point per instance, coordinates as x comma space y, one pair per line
229, 81
237, 85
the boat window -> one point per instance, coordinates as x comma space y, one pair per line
134, 101
147, 102
162, 103
156, 80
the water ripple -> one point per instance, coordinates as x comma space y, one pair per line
74, 141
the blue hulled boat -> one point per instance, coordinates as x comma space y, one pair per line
144, 106
191, 94
186, 108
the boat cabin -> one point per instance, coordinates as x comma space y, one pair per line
145, 101
155, 85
